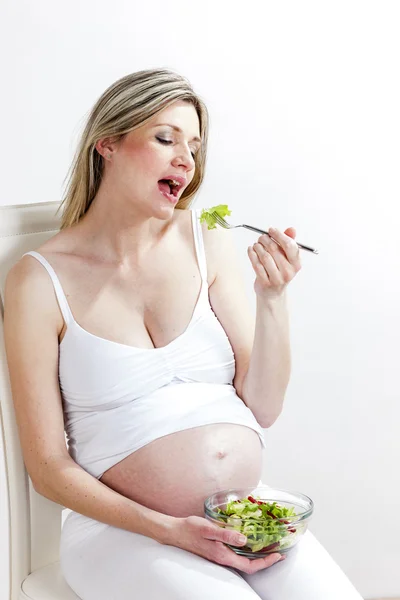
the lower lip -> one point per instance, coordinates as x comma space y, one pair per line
170, 197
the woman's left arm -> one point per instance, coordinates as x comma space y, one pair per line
262, 349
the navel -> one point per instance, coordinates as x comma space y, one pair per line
221, 454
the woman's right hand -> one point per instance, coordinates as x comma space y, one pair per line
200, 536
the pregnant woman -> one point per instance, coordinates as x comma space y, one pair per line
129, 330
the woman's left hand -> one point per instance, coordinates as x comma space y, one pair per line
274, 265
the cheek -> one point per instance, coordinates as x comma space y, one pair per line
139, 159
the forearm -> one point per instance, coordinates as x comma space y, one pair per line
66, 483
267, 377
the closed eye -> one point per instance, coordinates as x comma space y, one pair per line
168, 142
163, 141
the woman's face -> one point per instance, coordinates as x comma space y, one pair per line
144, 161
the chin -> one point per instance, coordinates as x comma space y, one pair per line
163, 211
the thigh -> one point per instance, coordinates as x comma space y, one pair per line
308, 573
100, 562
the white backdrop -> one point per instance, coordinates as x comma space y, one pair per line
304, 100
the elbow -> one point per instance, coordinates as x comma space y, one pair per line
268, 419
47, 474
48, 491
269, 412
40, 486
265, 418
43, 482
266, 422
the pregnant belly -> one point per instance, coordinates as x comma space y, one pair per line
174, 474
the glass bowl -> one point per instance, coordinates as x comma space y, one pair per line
266, 532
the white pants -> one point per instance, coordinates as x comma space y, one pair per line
101, 562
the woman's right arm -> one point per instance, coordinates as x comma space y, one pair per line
32, 326
33, 323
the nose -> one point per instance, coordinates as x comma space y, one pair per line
184, 158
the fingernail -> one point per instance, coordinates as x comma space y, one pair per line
282, 557
241, 539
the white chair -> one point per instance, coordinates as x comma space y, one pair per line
34, 521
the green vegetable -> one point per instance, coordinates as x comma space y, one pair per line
206, 214
263, 523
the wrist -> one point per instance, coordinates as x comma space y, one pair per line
270, 303
164, 528
150, 523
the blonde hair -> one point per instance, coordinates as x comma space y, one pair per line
124, 106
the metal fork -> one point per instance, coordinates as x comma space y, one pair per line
226, 225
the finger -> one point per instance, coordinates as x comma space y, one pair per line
259, 269
269, 244
224, 535
256, 564
248, 565
263, 563
269, 263
287, 244
291, 232
280, 270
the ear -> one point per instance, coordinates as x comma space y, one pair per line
106, 147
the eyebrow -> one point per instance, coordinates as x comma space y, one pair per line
176, 128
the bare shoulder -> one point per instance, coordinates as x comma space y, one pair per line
30, 275
217, 240
26, 274
218, 243
29, 288
219, 248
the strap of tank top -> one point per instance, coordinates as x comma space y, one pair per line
199, 243
61, 298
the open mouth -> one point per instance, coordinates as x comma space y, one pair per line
169, 186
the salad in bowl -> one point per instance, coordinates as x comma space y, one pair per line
273, 520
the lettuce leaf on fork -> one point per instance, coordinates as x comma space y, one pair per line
206, 214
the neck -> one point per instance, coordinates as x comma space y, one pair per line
123, 230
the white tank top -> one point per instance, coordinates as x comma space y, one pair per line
118, 398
